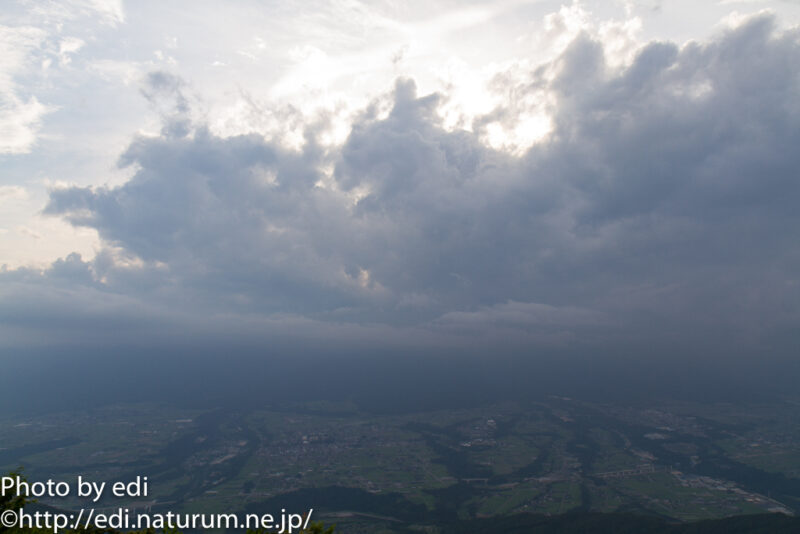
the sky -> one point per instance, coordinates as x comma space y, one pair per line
509, 175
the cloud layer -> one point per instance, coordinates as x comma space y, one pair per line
660, 209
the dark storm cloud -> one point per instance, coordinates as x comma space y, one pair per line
661, 208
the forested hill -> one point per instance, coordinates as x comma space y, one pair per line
612, 523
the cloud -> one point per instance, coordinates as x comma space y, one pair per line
528, 324
109, 12
12, 192
523, 314
164, 92
37, 46
67, 46
29, 232
20, 115
659, 209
